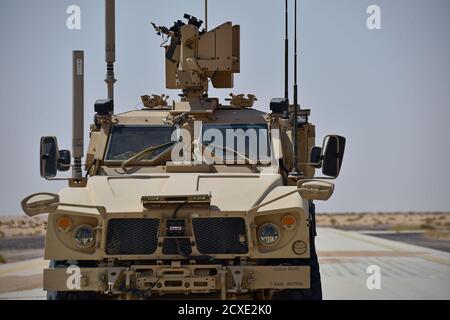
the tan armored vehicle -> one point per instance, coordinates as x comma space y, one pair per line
195, 198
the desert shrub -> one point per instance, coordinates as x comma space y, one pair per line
437, 234
2, 259
333, 221
427, 226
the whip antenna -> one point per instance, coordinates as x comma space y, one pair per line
295, 113
206, 15
286, 54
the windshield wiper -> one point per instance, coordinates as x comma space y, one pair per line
143, 153
243, 156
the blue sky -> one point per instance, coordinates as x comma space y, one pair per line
387, 90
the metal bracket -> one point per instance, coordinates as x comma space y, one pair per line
237, 274
155, 101
241, 101
113, 275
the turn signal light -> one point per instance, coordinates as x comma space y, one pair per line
64, 224
288, 222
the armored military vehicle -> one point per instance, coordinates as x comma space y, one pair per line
196, 198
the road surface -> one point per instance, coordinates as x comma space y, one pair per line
406, 271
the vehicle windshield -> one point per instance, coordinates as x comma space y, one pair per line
237, 142
127, 141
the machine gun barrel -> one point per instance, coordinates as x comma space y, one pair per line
163, 30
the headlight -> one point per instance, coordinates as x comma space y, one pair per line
84, 236
269, 234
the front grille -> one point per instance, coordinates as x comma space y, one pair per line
132, 236
177, 246
220, 235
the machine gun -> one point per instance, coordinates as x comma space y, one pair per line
174, 32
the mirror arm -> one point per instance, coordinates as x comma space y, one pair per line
62, 179
315, 178
58, 179
311, 163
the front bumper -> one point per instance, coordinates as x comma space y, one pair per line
163, 279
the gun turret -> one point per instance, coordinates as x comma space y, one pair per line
193, 57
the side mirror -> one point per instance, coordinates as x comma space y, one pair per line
315, 190
64, 160
39, 203
49, 157
333, 155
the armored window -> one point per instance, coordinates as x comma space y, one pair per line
126, 141
237, 143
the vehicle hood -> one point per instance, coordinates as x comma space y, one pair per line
229, 192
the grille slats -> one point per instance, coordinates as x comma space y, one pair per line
220, 235
137, 236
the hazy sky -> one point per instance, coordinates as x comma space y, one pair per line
387, 91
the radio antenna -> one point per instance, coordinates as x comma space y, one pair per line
110, 45
295, 171
77, 112
206, 15
286, 54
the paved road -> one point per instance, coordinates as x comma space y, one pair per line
22, 280
406, 271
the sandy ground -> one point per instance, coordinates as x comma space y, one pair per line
21, 238
427, 229
22, 276
22, 226
439, 222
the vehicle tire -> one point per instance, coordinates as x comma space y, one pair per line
315, 292
69, 295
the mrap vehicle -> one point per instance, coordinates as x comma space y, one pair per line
194, 199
